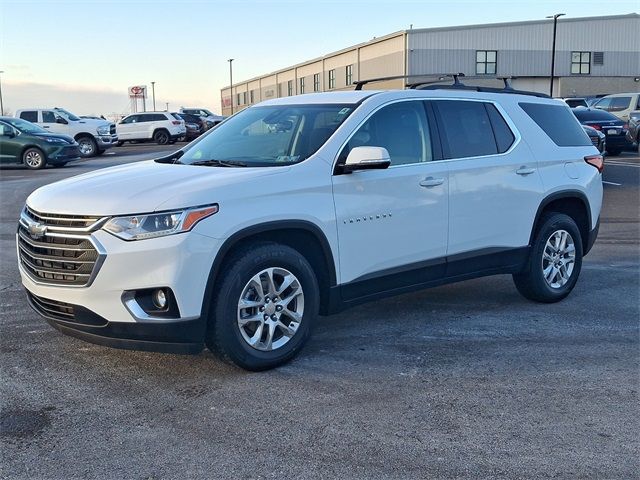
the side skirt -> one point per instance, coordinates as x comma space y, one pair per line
423, 275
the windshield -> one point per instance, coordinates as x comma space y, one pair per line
24, 126
69, 115
268, 136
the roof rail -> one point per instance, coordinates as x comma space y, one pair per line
441, 76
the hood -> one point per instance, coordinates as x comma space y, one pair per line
52, 135
140, 188
94, 122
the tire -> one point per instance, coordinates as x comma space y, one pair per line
88, 146
231, 340
161, 137
120, 143
99, 152
613, 151
532, 283
171, 142
34, 158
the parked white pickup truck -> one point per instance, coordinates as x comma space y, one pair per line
93, 136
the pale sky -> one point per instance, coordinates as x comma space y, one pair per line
83, 54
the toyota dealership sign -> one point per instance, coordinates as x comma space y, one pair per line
138, 91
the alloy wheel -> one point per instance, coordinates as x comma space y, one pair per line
558, 259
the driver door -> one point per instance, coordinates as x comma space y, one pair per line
392, 223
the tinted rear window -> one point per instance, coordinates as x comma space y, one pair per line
504, 135
466, 129
558, 123
29, 116
587, 114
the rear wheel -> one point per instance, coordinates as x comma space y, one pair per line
263, 308
87, 146
161, 137
554, 262
34, 159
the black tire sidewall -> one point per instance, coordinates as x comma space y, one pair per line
552, 224
223, 333
161, 137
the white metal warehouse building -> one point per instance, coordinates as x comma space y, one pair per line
594, 55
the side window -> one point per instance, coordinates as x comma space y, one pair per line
29, 116
48, 116
619, 104
466, 129
603, 104
401, 128
130, 119
558, 123
504, 135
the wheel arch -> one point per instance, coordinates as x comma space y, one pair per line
27, 147
159, 129
84, 134
573, 203
303, 236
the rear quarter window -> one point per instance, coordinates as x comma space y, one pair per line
558, 123
29, 116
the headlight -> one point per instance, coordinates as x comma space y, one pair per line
139, 227
103, 130
60, 141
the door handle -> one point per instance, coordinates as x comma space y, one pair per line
45, 126
523, 170
431, 182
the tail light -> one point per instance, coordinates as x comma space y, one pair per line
625, 126
595, 161
597, 127
176, 122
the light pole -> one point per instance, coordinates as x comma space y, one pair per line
553, 49
231, 83
1, 104
153, 94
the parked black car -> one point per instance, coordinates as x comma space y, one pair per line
598, 138
196, 125
22, 142
633, 134
614, 129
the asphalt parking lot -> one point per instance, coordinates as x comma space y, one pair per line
462, 381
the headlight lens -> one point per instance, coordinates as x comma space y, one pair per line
103, 130
56, 140
140, 227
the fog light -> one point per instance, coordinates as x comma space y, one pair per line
159, 299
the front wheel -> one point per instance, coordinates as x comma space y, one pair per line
264, 307
87, 146
34, 159
554, 262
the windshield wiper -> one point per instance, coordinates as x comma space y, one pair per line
219, 163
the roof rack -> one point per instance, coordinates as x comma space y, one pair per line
441, 76
456, 85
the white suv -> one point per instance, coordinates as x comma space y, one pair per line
161, 127
310, 204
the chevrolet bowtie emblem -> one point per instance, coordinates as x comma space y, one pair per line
37, 230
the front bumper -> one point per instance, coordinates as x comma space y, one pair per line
175, 336
179, 262
63, 154
106, 141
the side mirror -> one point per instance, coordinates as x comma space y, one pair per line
8, 132
366, 158
61, 120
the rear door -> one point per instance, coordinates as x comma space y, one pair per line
10, 144
494, 184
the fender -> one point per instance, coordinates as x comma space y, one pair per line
557, 196
262, 228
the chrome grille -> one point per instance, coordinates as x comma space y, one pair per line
64, 253
112, 129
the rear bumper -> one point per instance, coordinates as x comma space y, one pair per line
170, 336
591, 239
